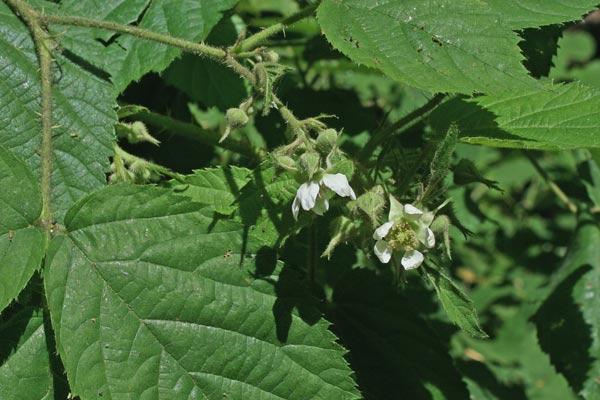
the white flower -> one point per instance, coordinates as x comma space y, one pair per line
406, 231
311, 197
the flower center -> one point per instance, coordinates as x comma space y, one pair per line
402, 236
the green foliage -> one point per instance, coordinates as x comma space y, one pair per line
557, 117
385, 335
567, 321
257, 255
466, 47
24, 359
151, 299
455, 302
21, 245
82, 110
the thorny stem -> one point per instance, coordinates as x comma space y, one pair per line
42, 45
185, 45
553, 186
220, 55
378, 138
258, 38
197, 133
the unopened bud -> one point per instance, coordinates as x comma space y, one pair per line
272, 56
311, 163
236, 118
327, 140
135, 132
285, 162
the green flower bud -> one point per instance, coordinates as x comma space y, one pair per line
272, 56
326, 141
285, 162
135, 132
236, 118
310, 163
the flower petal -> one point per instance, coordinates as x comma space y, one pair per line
321, 205
307, 194
295, 208
383, 230
412, 259
383, 251
396, 209
426, 236
412, 213
339, 184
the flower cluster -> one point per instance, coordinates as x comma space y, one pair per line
406, 234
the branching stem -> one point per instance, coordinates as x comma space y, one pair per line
252, 42
43, 44
185, 45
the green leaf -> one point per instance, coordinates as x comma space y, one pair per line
24, 359
394, 352
442, 46
153, 297
568, 321
437, 45
217, 187
559, 117
128, 58
83, 115
458, 306
21, 245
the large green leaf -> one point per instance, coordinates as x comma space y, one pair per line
441, 46
24, 358
150, 298
21, 244
559, 117
434, 45
82, 110
393, 351
568, 321
127, 58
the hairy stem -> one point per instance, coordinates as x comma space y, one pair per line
196, 133
185, 45
551, 184
258, 38
43, 45
379, 137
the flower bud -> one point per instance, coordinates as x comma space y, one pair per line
285, 162
271, 56
326, 141
135, 132
310, 163
236, 118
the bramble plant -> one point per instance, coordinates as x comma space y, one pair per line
299, 199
